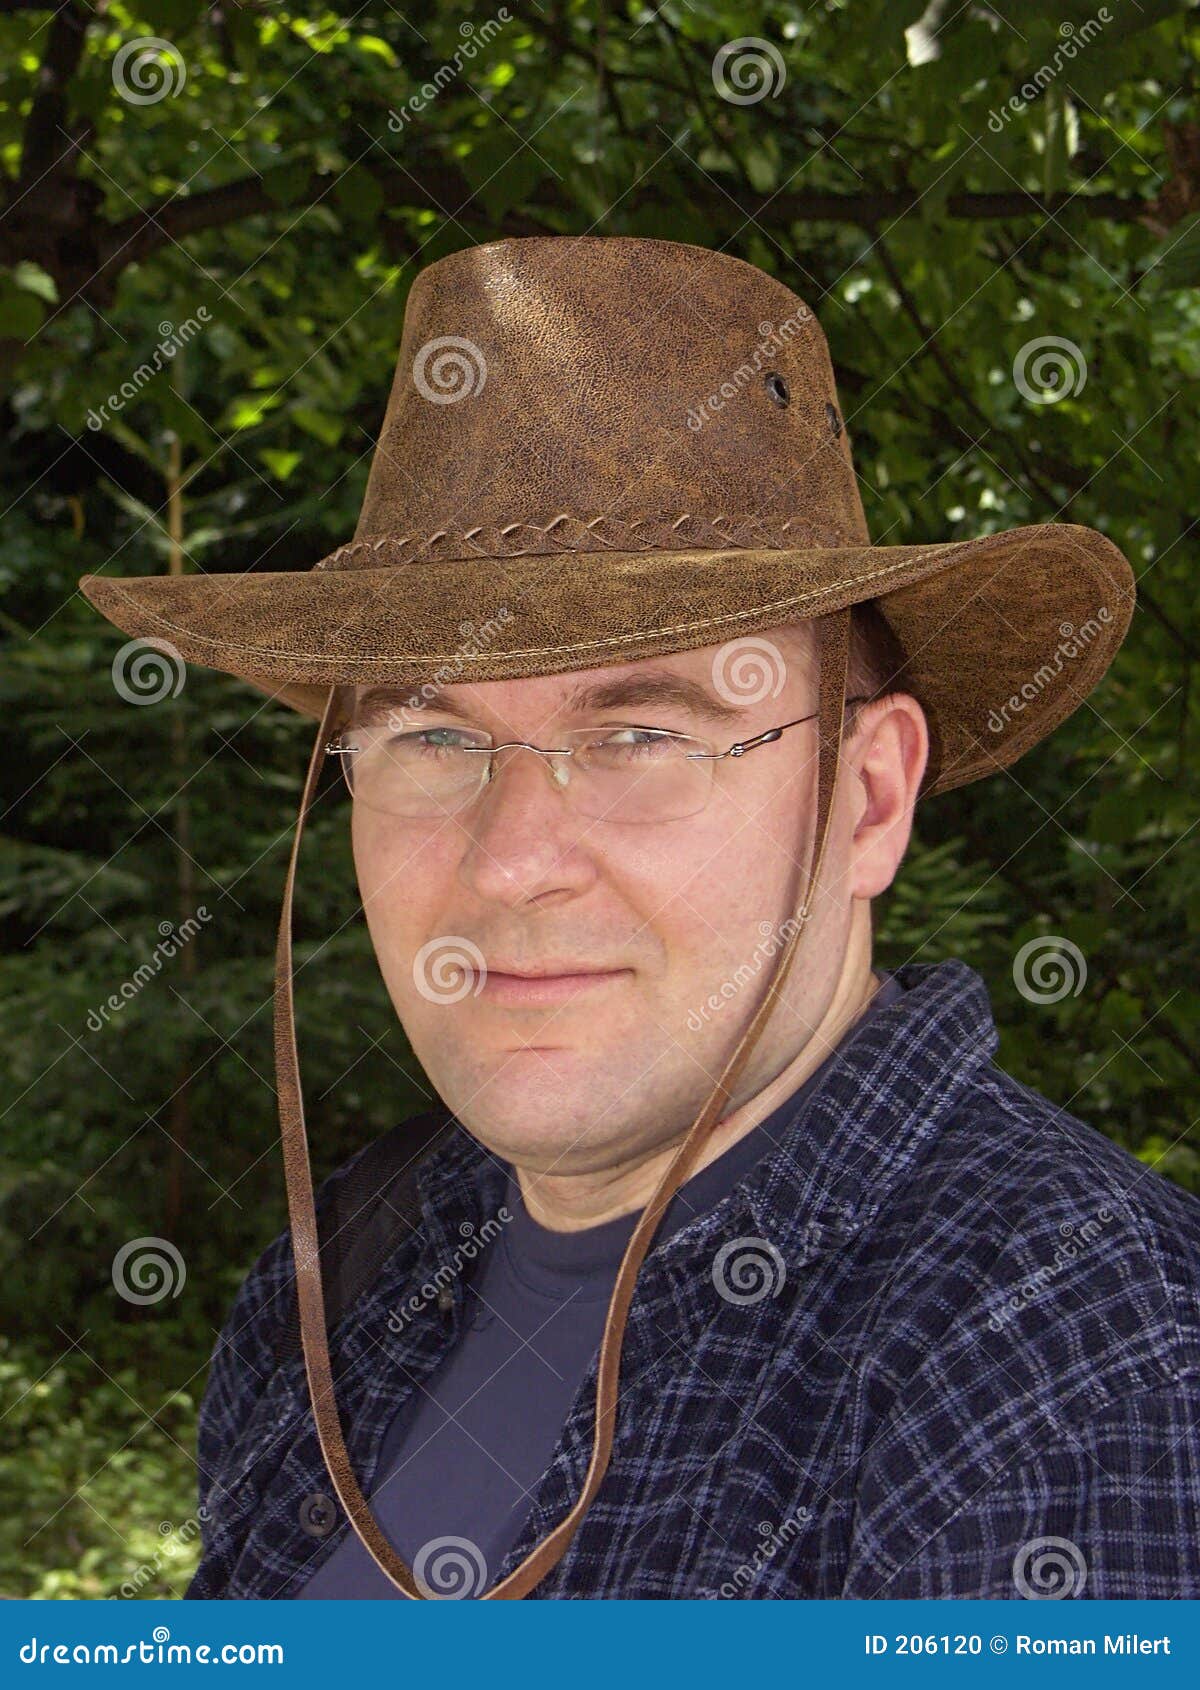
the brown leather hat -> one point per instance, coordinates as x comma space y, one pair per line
598, 449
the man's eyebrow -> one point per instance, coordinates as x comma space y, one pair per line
652, 686
648, 687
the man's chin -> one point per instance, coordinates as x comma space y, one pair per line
535, 1106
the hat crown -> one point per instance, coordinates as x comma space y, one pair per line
576, 392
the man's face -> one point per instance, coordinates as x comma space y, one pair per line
683, 918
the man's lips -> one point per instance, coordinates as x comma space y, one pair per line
531, 990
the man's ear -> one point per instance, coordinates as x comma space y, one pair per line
886, 754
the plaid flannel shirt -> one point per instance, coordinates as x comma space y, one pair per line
972, 1368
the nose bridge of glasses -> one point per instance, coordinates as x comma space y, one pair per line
553, 758
527, 745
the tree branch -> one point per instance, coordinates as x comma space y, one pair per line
178, 216
43, 150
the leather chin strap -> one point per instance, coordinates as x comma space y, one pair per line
833, 645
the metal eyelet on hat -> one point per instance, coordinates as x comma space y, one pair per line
835, 422
318, 1514
777, 387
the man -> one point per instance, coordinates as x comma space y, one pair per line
729, 1276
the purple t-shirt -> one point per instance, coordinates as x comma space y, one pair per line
464, 1454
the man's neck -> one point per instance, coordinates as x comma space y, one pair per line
573, 1202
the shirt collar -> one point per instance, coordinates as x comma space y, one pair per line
886, 1095
883, 1097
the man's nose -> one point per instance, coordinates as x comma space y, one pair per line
523, 834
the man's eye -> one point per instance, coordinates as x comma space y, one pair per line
629, 745
440, 736
638, 736
431, 742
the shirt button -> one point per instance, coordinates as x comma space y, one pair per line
318, 1514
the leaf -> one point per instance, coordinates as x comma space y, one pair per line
170, 18
280, 463
1175, 262
359, 194
761, 169
503, 173
35, 280
21, 312
322, 426
374, 47
283, 184
1059, 134
249, 411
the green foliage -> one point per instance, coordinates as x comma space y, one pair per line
297, 175
98, 1494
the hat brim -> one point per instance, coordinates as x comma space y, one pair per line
1003, 635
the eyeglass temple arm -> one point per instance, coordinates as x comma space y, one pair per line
771, 734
